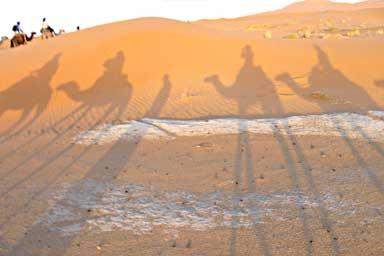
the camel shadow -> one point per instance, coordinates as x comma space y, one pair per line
328, 80
31, 94
112, 89
250, 87
329, 88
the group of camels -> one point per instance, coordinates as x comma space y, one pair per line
22, 39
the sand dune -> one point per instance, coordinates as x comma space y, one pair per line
211, 72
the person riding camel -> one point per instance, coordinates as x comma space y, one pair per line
18, 31
17, 28
46, 27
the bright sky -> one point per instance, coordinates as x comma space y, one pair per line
67, 14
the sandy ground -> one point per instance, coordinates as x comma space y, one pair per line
80, 177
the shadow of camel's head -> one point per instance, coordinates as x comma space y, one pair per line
283, 77
211, 79
115, 63
70, 86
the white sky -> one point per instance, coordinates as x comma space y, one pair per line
67, 14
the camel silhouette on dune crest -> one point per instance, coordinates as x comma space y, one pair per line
111, 89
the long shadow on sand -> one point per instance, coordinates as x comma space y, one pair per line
326, 79
252, 86
116, 157
124, 90
31, 94
116, 91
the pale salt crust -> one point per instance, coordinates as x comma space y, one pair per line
352, 125
99, 207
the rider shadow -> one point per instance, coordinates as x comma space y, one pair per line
330, 89
325, 78
111, 90
31, 94
252, 86
115, 158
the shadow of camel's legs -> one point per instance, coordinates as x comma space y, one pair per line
323, 213
236, 198
258, 228
295, 185
13, 151
367, 171
60, 173
23, 117
372, 143
36, 152
245, 154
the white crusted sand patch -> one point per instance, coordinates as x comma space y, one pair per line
355, 126
107, 207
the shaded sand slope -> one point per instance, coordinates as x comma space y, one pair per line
216, 73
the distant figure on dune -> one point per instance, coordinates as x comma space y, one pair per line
5, 42
19, 38
46, 30
17, 28
78, 28
111, 89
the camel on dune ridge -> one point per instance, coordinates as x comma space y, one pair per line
21, 39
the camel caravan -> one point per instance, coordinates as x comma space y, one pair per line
21, 38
